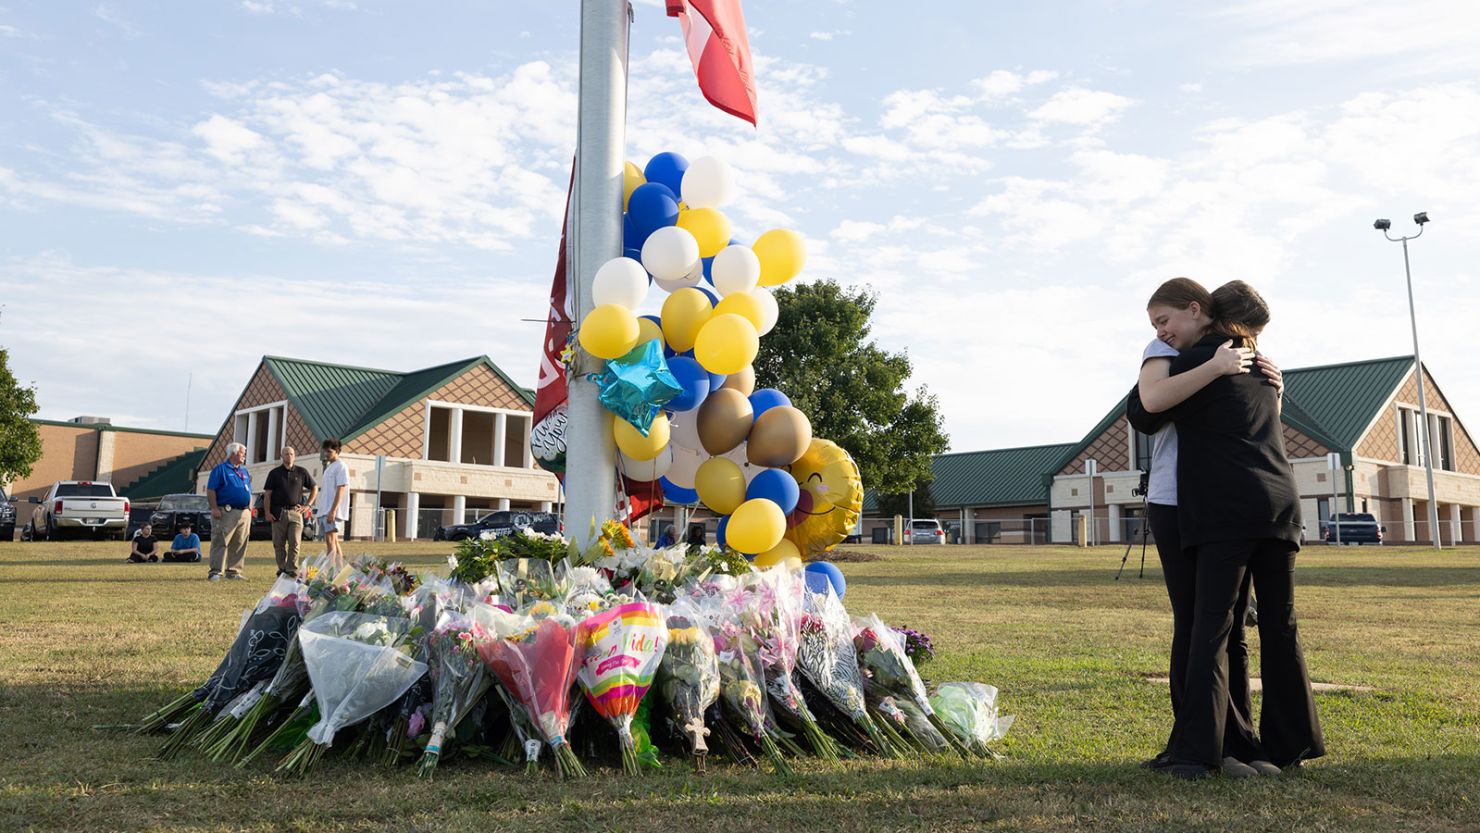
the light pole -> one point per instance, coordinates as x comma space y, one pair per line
1421, 218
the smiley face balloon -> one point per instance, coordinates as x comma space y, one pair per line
831, 498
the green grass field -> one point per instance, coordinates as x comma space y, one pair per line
86, 639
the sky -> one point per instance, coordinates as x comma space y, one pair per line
187, 186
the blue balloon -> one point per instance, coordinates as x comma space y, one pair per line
677, 495
694, 380
719, 534
765, 399
708, 268
821, 574
776, 486
667, 169
651, 207
717, 380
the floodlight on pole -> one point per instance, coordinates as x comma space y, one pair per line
1421, 218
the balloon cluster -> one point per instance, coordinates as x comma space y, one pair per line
747, 454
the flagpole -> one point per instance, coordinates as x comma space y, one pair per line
590, 471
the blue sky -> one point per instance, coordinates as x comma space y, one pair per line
187, 186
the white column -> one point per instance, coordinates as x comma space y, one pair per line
503, 504
454, 443
1454, 527
459, 509
252, 435
413, 506
528, 451
1408, 527
1114, 523
546, 506
968, 525
500, 428
274, 442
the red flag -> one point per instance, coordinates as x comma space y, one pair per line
551, 395
720, 51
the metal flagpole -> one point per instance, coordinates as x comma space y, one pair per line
590, 472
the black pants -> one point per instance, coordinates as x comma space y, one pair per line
1288, 727
1179, 568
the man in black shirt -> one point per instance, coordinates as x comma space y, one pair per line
288, 492
142, 549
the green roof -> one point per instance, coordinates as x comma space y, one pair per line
343, 401
176, 476
1341, 400
1000, 477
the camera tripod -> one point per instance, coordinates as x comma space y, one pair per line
1140, 491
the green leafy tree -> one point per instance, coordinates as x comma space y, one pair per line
891, 505
820, 355
20, 442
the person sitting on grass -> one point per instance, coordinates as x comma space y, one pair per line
185, 547
142, 547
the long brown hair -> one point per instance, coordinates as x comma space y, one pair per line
1239, 312
1181, 293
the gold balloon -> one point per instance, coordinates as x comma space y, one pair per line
832, 497
720, 484
744, 305
727, 343
724, 420
782, 254
634, 444
711, 229
744, 381
685, 313
780, 554
609, 331
779, 437
647, 330
631, 178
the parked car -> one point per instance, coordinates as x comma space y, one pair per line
78, 507
7, 517
926, 532
176, 510
262, 527
498, 524
1352, 528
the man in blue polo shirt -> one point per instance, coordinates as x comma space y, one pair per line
230, 493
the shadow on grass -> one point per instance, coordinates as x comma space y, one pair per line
1305, 575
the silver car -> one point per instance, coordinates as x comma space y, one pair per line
926, 532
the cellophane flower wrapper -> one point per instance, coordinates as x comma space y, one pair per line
774, 617
532, 653
827, 659
742, 682
970, 710
459, 679
688, 677
524, 581
621, 650
887, 665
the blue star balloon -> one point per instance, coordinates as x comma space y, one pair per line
636, 386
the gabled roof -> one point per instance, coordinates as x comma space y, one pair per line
1072, 449
1343, 399
1000, 477
343, 401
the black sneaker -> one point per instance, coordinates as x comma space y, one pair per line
153, 559
1187, 772
1161, 761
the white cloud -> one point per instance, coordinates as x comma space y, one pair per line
110, 15
822, 36
1079, 106
1003, 84
1425, 36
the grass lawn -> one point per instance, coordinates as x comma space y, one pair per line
86, 639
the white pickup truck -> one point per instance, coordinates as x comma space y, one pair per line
79, 507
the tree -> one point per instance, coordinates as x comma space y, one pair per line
20, 442
891, 505
820, 355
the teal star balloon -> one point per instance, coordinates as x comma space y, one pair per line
636, 386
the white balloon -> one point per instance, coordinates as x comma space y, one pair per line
769, 311
735, 269
621, 281
747, 468
693, 278
646, 471
670, 253
686, 462
683, 430
708, 183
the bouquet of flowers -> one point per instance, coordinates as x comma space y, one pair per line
459, 680
402, 580
255, 656
970, 710
888, 667
773, 616
533, 655
826, 658
620, 650
742, 685
359, 664
688, 678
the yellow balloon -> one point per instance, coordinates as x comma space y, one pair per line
727, 344
782, 253
833, 499
720, 484
685, 312
743, 304
631, 178
709, 227
647, 330
756, 526
609, 331
779, 554
634, 444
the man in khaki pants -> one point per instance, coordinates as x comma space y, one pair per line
229, 490
288, 490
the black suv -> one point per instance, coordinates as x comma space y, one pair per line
7, 517
262, 527
499, 524
177, 510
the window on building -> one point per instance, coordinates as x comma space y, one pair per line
1323, 509
516, 439
1440, 439
262, 430
439, 434
1408, 449
477, 437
